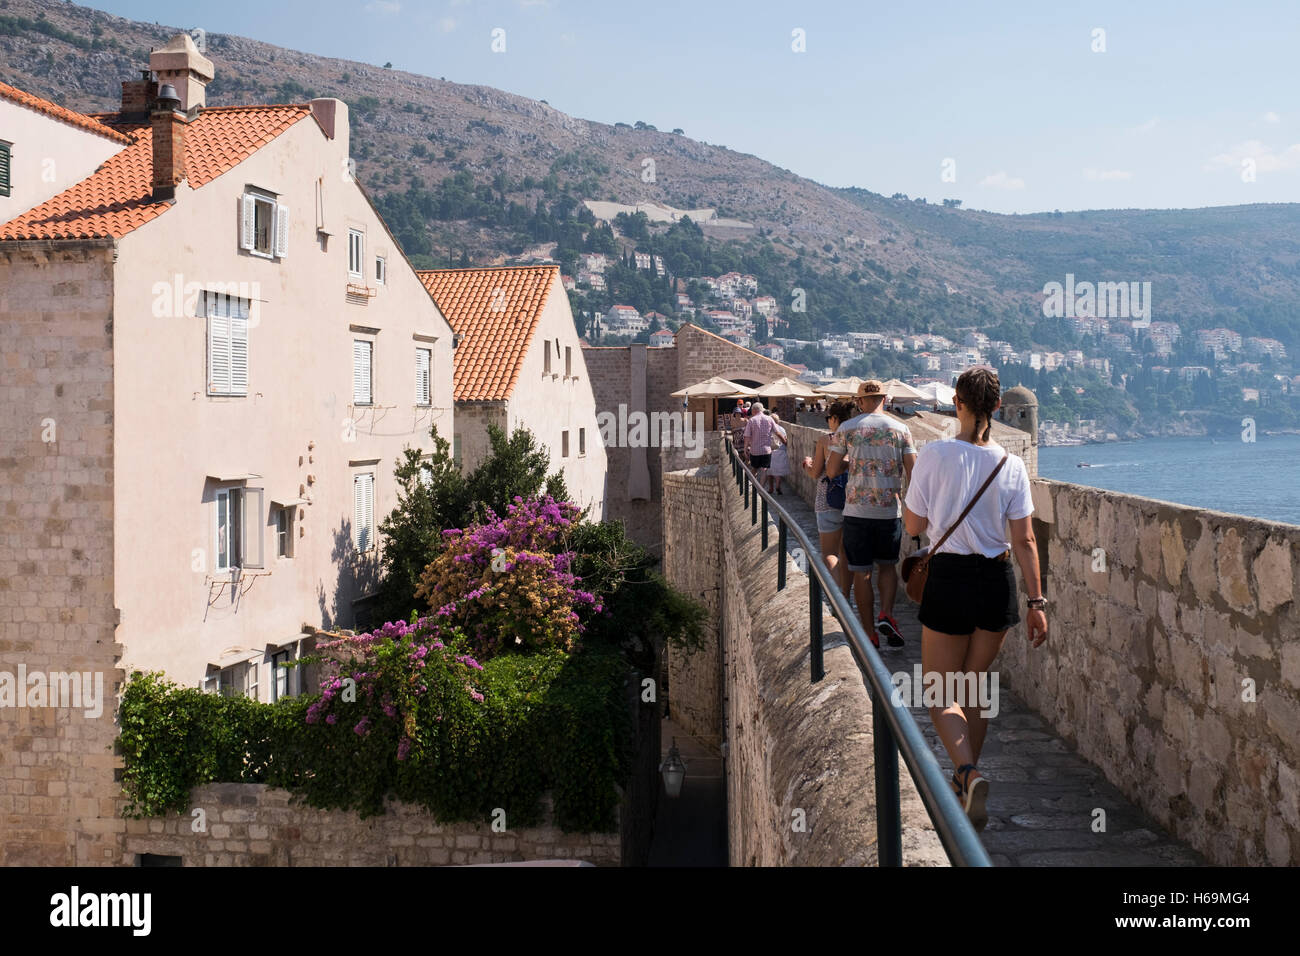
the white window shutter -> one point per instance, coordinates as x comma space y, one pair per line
361, 372
250, 538
422, 396
248, 223
358, 513
238, 355
281, 230
218, 354
363, 510
369, 484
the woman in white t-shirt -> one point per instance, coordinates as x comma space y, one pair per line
970, 599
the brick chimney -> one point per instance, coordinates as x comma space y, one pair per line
138, 97
182, 65
168, 143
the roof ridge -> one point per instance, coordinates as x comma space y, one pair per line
62, 113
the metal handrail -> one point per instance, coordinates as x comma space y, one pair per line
892, 724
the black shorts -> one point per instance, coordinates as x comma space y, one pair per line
761, 461
869, 541
969, 591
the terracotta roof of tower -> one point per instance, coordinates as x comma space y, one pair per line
73, 118
118, 197
497, 312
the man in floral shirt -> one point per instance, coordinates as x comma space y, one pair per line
877, 453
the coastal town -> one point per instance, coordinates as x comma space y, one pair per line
730, 306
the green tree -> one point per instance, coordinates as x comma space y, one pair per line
516, 465
431, 495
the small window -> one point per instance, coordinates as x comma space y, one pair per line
564, 444
426, 474
284, 532
356, 252
568, 361
362, 355
285, 681
546, 358
238, 532
363, 511
381, 270
6, 183
423, 363
227, 343
582, 441
265, 227
455, 451
234, 681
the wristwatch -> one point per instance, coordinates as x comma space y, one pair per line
1038, 603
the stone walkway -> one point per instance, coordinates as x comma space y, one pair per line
1042, 795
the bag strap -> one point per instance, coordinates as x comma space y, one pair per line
987, 481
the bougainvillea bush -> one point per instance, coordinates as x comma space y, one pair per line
507, 581
405, 713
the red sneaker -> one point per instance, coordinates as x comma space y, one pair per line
889, 627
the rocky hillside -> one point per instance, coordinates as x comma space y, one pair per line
1206, 266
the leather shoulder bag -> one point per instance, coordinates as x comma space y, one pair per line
916, 567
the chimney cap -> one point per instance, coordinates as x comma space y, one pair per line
167, 98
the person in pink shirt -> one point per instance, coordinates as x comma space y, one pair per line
758, 441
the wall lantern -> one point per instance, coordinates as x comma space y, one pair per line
673, 769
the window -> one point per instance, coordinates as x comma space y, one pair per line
356, 252
234, 681
285, 681
363, 511
426, 474
362, 353
568, 361
546, 358
423, 362
582, 441
238, 533
5, 166
284, 532
227, 343
381, 270
455, 450
564, 444
264, 229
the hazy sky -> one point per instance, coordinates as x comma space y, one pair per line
1176, 96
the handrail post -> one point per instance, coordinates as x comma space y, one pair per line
746, 486
889, 815
753, 504
815, 625
763, 535
780, 546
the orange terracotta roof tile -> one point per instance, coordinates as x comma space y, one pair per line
118, 197
72, 117
496, 312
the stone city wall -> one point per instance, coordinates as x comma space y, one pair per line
250, 824
1173, 663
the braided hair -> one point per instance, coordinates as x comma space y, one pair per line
980, 389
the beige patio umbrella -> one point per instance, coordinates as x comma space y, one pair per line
841, 386
787, 388
902, 392
715, 387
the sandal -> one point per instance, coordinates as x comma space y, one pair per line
976, 796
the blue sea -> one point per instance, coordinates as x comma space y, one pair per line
1259, 479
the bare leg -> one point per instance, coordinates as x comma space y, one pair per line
866, 602
980, 654
943, 654
887, 576
846, 576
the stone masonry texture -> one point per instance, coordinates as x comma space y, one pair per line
58, 798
